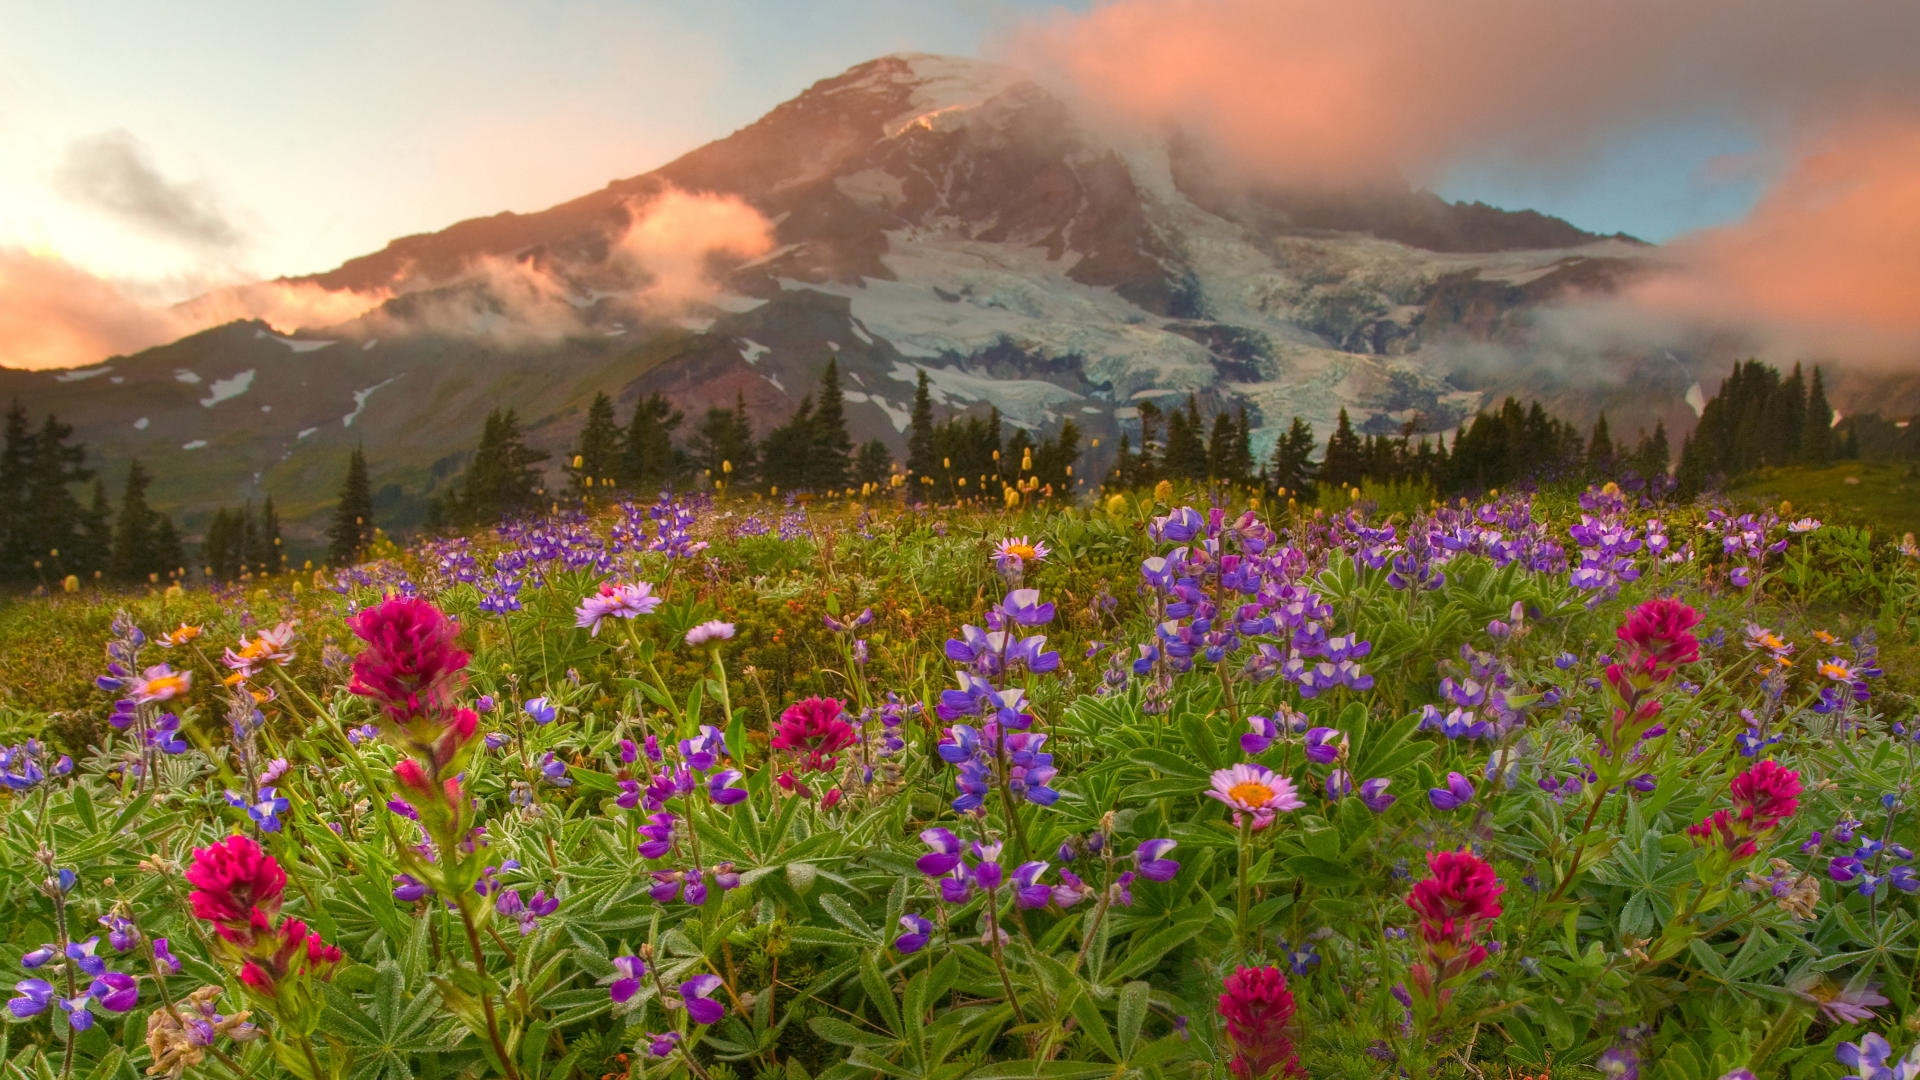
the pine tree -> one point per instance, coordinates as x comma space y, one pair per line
16, 457
169, 553
1600, 450
1220, 452
595, 459
784, 456
1653, 457
51, 525
1147, 464
1816, 434
831, 459
135, 554
648, 461
1343, 464
93, 550
252, 558
352, 531
1054, 459
219, 553
1241, 466
273, 555
920, 457
1186, 454
1291, 469
873, 464
503, 480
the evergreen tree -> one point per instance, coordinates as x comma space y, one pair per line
594, 463
648, 461
16, 459
135, 551
51, 525
352, 531
1124, 466
1600, 450
503, 480
169, 554
1147, 464
1220, 451
722, 445
1054, 458
1653, 457
1816, 435
786, 453
273, 556
920, 457
252, 558
93, 550
1291, 469
1240, 465
831, 458
1186, 454
219, 550
873, 464
1344, 462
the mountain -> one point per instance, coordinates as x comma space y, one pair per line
927, 213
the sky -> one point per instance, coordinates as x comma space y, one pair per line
286, 138
152, 152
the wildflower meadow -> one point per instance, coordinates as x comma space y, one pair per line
1557, 784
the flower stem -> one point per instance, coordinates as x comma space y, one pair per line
486, 996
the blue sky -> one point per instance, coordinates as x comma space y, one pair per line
320, 131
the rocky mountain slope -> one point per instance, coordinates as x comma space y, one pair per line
927, 214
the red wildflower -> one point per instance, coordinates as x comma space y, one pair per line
814, 731
1766, 795
1257, 1007
1658, 637
1718, 826
297, 951
1462, 895
237, 887
410, 664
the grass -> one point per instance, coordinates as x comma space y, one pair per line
1885, 496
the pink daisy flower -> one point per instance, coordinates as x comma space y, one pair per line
615, 602
1251, 789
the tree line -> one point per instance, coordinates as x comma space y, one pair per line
1496, 449
48, 535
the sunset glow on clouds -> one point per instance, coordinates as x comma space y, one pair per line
148, 156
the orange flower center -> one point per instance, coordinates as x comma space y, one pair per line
1023, 552
1250, 793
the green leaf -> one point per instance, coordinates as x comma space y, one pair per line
1133, 1013
840, 1033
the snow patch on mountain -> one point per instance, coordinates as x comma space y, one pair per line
1030, 403
751, 351
141, 424
82, 374
232, 386
194, 445
185, 376
360, 400
302, 345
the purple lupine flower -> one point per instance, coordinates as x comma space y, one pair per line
1149, 859
115, 992
122, 934
408, 889
39, 956
1324, 745
1868, 1058
704, 751
662, 1045
1339, 785
1072, 890
1373, 793
1458, 792
627, 973
554, 771
918, 932
659, 835
81, 953
696, 993
265, 813
723, 787
163, 954
695, 893
987, 874
1028, 890
541, 711
35, 996
1022, 607
945, 855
